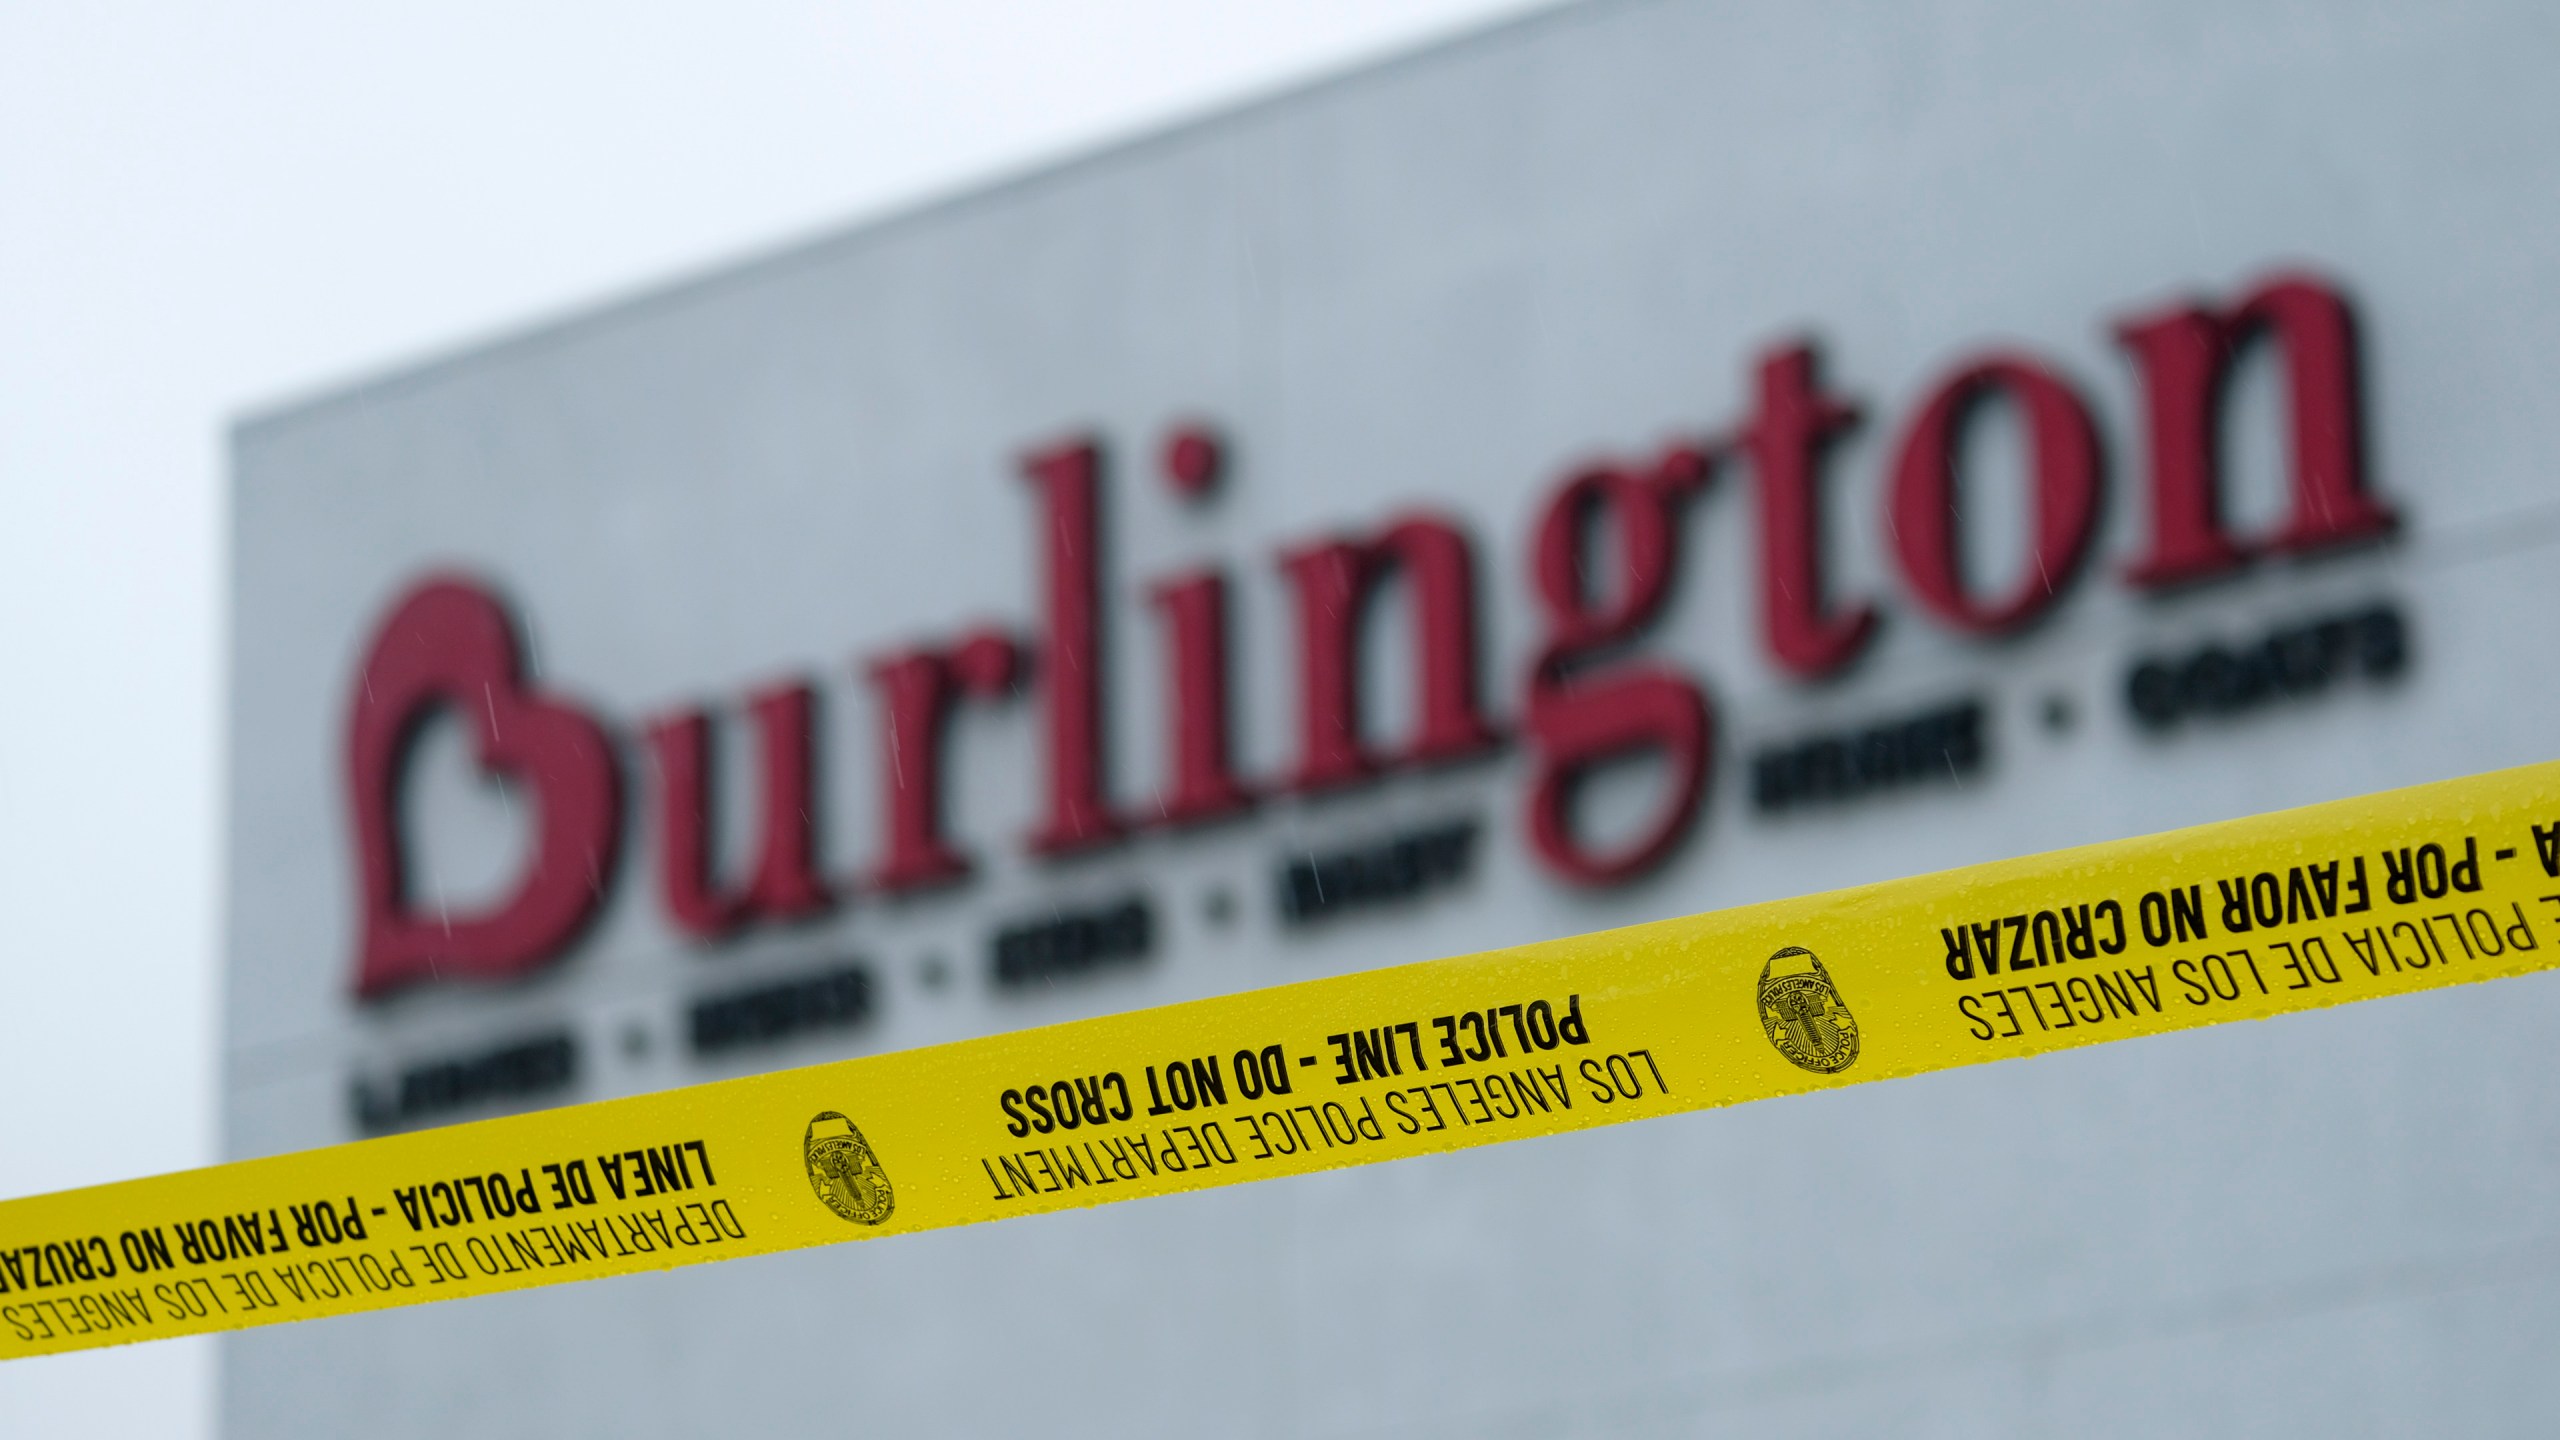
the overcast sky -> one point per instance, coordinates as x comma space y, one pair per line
204, 209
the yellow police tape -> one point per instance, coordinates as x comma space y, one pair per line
2437, 885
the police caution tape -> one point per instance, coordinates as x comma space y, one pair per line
2359, 899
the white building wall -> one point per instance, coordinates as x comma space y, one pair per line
1449, 280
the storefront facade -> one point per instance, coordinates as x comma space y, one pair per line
1640, 460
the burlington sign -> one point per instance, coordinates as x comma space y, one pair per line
1606, 552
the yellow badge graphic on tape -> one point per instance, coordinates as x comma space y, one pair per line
844, 1172
2359, 899
1803, 1013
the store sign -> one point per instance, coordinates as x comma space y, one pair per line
1606, 554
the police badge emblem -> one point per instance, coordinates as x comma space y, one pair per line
1804, 1015
844, 1172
